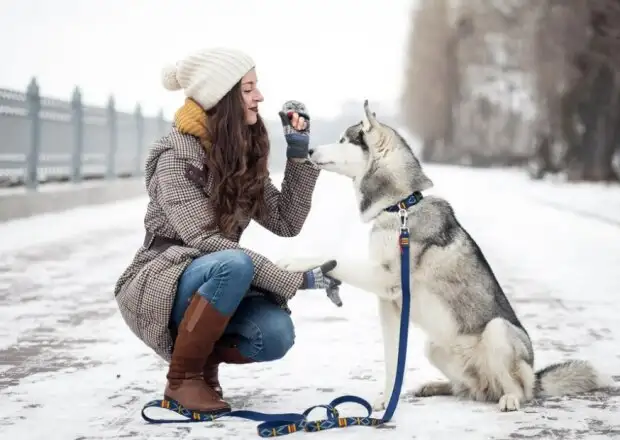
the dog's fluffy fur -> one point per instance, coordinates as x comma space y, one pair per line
474, 336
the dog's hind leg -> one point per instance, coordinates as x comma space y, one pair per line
389, 316
437, 388
503, 364
438, 357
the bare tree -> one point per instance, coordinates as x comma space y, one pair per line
472, 64
577, 66
458, 51
431, 79
559, 36
493, 123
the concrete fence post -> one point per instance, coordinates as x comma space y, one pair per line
113, 130
33, 98
77, 123
139, 118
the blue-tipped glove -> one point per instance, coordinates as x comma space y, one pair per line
317, 278
297, 141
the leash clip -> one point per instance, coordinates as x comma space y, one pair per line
402, 212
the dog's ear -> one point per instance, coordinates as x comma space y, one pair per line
370, 118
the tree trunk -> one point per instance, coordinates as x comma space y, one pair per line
592, 160
427, 150
541, 162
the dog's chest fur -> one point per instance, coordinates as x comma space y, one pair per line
428, 310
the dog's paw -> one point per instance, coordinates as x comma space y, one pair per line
380, 403
434, 389
300, 264
509, 402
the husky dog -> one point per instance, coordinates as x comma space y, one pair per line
474, 336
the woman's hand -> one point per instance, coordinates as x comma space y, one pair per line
318, 278
296, 123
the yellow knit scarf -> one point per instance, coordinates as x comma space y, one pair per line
191, 119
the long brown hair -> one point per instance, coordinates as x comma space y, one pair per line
237, 161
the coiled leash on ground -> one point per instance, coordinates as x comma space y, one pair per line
274, 425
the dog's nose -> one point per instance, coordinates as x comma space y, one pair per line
310, 151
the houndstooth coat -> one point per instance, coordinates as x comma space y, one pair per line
179, 208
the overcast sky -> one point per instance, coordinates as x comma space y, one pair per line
322, 52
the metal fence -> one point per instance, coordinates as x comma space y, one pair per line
44, 139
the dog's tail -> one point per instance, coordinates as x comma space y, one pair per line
570, 377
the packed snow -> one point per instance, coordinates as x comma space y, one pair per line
71, 369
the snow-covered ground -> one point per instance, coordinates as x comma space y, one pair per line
71, 369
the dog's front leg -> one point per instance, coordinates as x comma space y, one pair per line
362, 274
389, 315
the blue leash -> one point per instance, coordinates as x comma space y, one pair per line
274, 425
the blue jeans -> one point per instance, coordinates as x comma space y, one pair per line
265, 332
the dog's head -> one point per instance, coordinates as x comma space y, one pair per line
378, 159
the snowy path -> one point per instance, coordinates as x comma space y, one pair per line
70, 369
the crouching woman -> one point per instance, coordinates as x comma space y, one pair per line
191, 293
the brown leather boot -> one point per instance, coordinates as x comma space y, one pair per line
201, 327
226, 352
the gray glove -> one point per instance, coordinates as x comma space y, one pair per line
297, 142
317, 278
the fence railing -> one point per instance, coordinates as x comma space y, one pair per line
44, 139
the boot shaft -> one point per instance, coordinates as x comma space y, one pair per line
198, 332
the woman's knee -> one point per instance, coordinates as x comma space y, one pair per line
237, 264
278, 336
230, 266
227, 276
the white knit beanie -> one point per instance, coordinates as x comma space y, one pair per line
207, 75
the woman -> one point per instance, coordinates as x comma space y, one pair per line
191, 293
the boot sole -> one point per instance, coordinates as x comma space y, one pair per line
213, 412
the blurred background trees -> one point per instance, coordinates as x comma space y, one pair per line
532, 83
